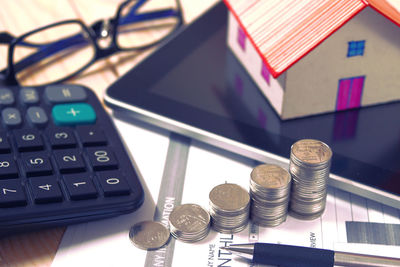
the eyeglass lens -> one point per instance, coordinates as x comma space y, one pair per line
52, 54
151, 22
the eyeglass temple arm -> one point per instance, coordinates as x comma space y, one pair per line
6, 38
131, 17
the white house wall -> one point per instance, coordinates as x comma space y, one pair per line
312, 83
253, 64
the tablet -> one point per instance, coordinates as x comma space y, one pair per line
194, 85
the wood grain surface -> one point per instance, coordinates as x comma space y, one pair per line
20, 16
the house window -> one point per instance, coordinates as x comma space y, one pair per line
265, 73
241, 38
356, 48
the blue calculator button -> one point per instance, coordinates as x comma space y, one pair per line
12, 194
73, 114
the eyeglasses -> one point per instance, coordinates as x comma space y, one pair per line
57, 52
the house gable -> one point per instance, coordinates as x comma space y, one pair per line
280, 30
316, 76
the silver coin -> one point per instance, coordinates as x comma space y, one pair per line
310, 162
269, 190
149, 235
189, 218
229, 197
311, 151
270, 176
189, 222
229, 208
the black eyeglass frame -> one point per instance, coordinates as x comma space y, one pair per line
94, 33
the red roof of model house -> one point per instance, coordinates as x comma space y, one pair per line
283, 31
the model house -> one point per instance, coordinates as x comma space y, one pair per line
316, 56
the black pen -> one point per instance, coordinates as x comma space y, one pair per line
286, 255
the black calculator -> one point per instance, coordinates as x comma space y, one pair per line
62, 160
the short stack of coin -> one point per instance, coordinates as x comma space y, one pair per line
229, 208
269, 191
189, 222
310, 162
149, 235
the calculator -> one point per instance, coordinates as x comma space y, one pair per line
62, 160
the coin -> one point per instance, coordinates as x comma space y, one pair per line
309, 166
311, 151
229, 197
189, 222
269, 192
270, 176
229, 208
149, 235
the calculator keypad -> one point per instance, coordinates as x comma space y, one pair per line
69, 161
80, 186
8, 167
60, 155
5, 146
61, 137
28, 96
91, 135
36, 164
11, 117
102, 158
37, 116
113, 183
46, 190
12, 194
28, 140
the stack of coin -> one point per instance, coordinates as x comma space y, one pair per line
189, 222
229, 208
310, 162
269, 191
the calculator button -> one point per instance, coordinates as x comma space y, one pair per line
11, 117
80, 186
69, 161
102, 158
46, 189
73, 114
113, 183
61, 137
36, 164
28, 96
4, 144
91, 136
28, 140
12, 193
37, 116
6, 97
64, 93
8, 167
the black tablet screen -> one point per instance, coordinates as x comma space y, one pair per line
195, 79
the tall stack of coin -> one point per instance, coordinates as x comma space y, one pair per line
229, 208
269, 191
310, 162
189, 222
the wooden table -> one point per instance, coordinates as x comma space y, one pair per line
20, 16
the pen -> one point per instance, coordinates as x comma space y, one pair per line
286, 255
